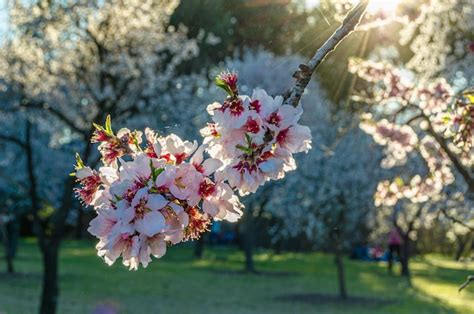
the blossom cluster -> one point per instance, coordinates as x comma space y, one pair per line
163, 190
148, 196
391, 84
399, 140
422, 122
254, 136
462, 126
419, 189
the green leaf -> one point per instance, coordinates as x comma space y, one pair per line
108, 125
248, 139
220, 83
246, 150
79, 162
98, 127
155, 172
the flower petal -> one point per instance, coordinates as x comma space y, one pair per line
151, 223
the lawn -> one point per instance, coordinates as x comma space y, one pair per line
289, 283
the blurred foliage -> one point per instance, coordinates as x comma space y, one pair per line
282, 27
224, 28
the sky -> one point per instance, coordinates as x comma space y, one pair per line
3, 18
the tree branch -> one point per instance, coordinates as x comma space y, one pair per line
303, 75
13, 140
33, 191
466, 283
57, 113
456, 220
452, 156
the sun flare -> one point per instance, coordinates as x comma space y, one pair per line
386, 6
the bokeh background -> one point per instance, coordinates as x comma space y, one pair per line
312, 243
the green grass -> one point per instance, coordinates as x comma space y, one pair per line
179, 284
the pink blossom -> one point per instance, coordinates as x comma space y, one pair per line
168, 191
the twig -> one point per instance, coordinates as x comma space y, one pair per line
456, 220
466, 283
303, 75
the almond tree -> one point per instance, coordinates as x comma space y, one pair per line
424, 110
329, 199
69, 64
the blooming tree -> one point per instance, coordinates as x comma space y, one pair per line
328, 200
422, 118
67, 65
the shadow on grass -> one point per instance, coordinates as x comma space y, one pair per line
15, 277
267, 273
331, 299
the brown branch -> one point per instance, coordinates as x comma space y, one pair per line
466, 283
57, 113
414, 118
303, 75
13, 140
452, 156
456, 220
33, 191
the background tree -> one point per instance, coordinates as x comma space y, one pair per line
70, 64
329, 199
421, 111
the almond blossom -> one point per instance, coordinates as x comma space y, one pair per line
159, 195
163, 191
254, 136
424, 118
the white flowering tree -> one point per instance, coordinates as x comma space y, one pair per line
67, 65
169, 192
329, 198
423, 110
8, 232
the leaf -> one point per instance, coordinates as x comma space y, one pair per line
108, 125
248, 139
470, 97
220, 83
98, 127
79, 162
155, 172
246, 150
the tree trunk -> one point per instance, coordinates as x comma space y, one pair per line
9, 258
341, 276
248, 250
199, 248
79, 224
461, 246
246, 231
404, 259
10, 267
9, 250
50, 289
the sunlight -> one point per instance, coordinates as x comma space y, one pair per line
375, 6
387, 6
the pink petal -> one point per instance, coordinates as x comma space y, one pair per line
156, 201
210, 165
151, 224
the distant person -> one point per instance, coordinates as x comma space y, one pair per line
394, 242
